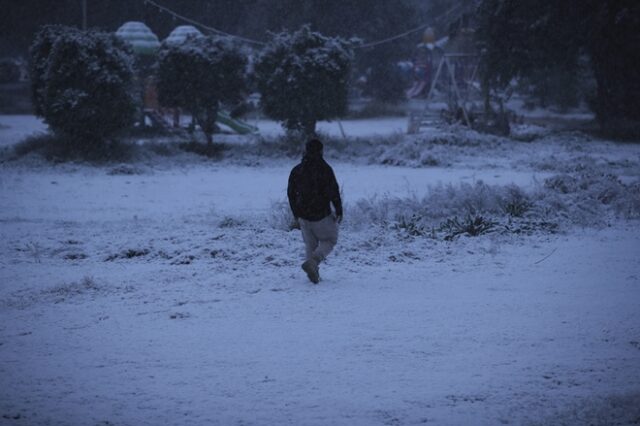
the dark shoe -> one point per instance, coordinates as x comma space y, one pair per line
311, 268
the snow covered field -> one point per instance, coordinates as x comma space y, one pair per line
167, 290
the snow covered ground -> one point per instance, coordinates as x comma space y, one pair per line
14, 128
167, 291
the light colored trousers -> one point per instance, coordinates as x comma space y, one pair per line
319, 237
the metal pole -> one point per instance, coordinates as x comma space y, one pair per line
84, 14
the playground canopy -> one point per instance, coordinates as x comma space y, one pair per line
180, 34
141, 38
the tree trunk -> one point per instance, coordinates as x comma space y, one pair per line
207, 122
614, 57
486, 95
309, 128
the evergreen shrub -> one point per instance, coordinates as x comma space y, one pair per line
82, 84
303, 78
200, 75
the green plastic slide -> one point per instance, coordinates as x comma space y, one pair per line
238, 126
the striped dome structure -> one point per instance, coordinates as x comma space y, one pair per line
180, 34
141, 38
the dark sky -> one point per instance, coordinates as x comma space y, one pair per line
251, 18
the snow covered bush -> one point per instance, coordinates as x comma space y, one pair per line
40, 52
515, 201
589, 199
81, 84
591, 192
303, 78
406, 152
441, 203
464, 209
199, 75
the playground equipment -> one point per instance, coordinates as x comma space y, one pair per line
140, 37
145, 45
157, 115
158, 118
236, 125
180, 34
453, 83
428, 53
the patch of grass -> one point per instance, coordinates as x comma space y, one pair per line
375, 109
75, 256
213, 151
87, 284
34, 249
564, 183
125, 170
476, 209
230, 222
288, 145
516, 203
61, 148
35, 144
412, 226
162, 149
128, 254
472, 225
529, 227
281, 217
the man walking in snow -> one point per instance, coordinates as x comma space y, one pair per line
312, 189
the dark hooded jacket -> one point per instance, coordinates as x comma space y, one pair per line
312, 187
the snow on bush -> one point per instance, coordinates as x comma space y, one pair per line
408, 153
303, 78
590, 191
81, 83
445, 207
